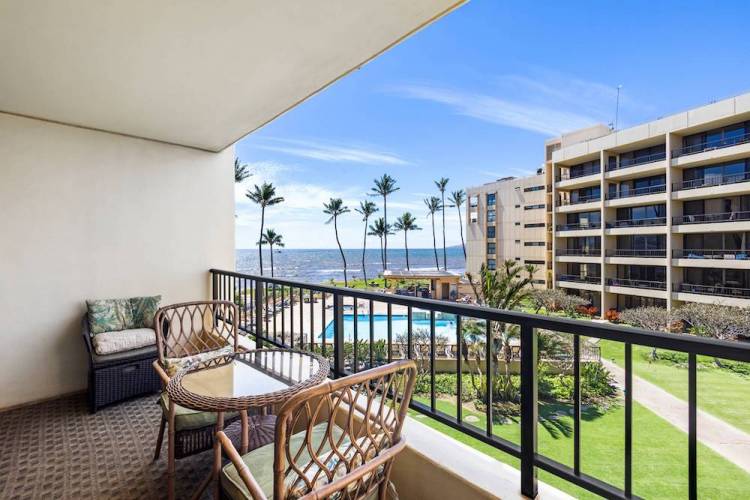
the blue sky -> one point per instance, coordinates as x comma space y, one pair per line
473, 97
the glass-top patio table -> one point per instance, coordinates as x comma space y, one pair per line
244, 381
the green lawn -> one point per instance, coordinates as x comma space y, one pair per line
721, 392
659, 451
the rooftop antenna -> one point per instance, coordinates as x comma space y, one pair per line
617, 108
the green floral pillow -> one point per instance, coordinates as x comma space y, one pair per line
144, 309
109, 315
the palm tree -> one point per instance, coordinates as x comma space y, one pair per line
406, 223
271, 238
265, 196
366, 209
441, 183
433, 206
378, 229
530, 270
383, 187
456, 199
334, 208
240, 171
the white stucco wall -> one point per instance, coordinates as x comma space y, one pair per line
87, 214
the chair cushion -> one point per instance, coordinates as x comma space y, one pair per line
187, 419
173, 365
124, 340
260, 464
144, 309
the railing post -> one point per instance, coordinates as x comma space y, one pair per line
259, 313
214, 286
338, 334
529, 409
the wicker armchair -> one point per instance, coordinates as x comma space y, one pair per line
338, 439
185, 333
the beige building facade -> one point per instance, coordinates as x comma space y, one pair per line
506, 220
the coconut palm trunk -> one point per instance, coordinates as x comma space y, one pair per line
364, 251
461, 229
434, 243
341, 250
270, 246
385, 235
406, 247
260, 238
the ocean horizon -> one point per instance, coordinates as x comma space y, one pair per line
322, 265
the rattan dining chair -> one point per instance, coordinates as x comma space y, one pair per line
336, 440
187, 333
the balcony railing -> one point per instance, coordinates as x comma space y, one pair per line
719, 180
637, 252
579, 226
579, 200
718, 254
266, 306
578, 173
662, 188
576, 278
710, 218
581, 252
633, 162
720, 290
711, 145
630, 283
654, 221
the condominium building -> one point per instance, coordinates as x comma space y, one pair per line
658, 213
506, 221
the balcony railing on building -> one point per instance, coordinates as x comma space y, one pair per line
581, 252
637, 252
711, 145
578, 200
579, 226
718, 290
577, 278
634, 162
267, 307
653, 221
711, 218
718, 254
662, 188
583, 172
714, 180
632, 283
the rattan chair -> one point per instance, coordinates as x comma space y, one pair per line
336, 440
184, 333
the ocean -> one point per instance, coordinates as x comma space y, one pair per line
318, 266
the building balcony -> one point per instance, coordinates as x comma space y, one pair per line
578, 201
641, 284
640, 252
637, 192
584, 172
719, 290
654, 221
711, 145
580, 226
711, 187
711, 258
578, 252
634, 162
703, 222
579, 282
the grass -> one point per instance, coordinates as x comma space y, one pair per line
659, 451
721, 392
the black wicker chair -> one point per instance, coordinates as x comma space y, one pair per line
119, 376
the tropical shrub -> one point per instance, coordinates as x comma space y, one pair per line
612, 315
586, 310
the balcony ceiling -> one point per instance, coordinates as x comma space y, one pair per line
195, 73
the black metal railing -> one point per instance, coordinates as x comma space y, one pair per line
713, 253
579, 226
636, 252
662, 188
710, 218
710, 145
639, 160
581, 252
719, 180
577, 278
653, 221
631, 283
581, 199
583, 172
291, 314
720, 290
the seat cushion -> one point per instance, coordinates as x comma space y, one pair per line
187, 419
260, 464
173, 365
123, 340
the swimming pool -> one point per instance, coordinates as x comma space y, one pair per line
445, 325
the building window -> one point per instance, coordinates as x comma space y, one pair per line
491, 215
518, 258
533, 207
491, 248
474, 201
534, 244
538, 262
533, 188
490, 231
518, 242
534, 224
518, 223
490, 199
538, 282
491, 264
518, 206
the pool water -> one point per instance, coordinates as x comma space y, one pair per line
445, 325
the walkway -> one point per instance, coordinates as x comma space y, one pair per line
726, 440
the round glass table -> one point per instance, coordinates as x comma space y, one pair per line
244, 381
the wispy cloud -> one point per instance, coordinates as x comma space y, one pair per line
333, 152
545, 102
